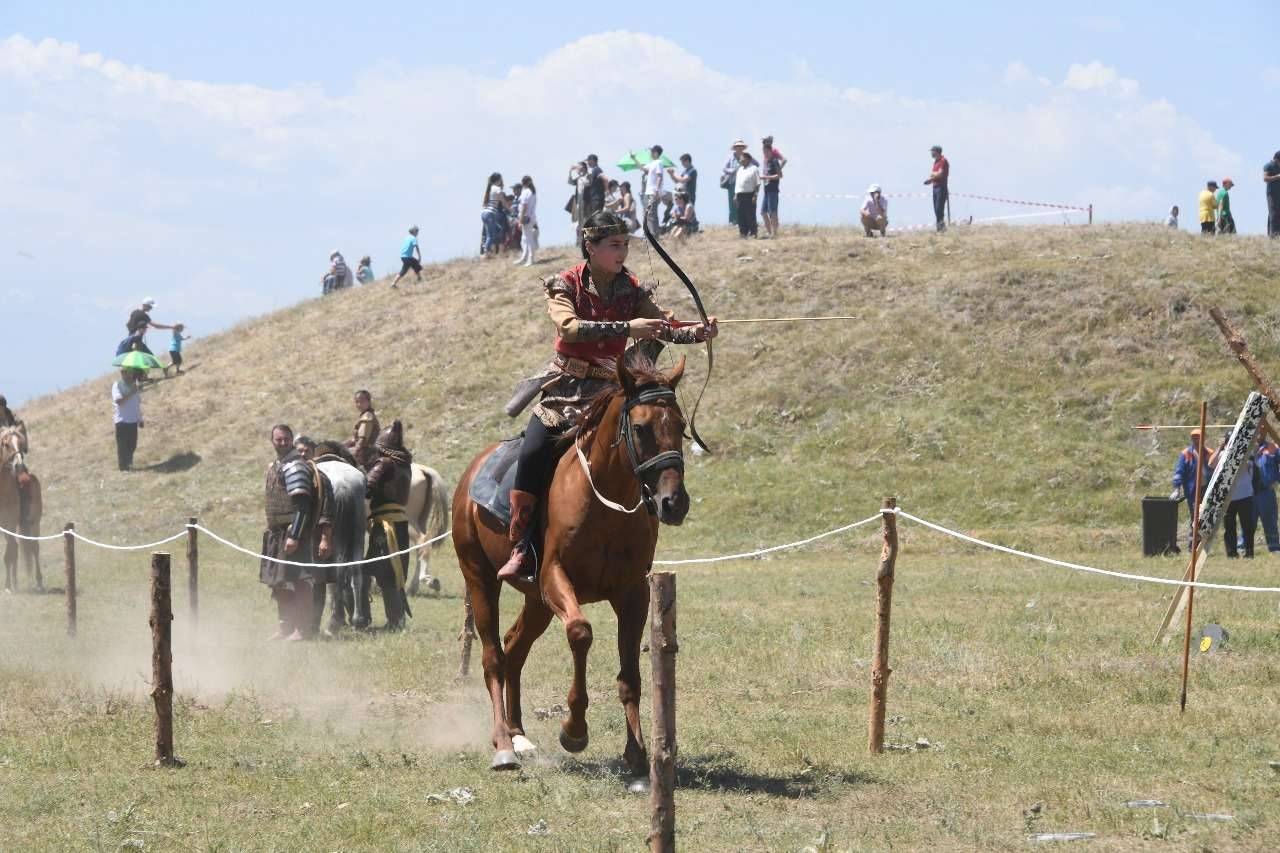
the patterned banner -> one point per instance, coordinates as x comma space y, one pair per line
1230, 459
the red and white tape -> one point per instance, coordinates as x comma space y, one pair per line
842, 196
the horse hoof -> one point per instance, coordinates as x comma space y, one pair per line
505, 759
639, 785
522, 745
573, 744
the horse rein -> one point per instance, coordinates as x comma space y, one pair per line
653, 466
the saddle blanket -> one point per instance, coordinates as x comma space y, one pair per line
492, 485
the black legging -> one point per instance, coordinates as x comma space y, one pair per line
535, 457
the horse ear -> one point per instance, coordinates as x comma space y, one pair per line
676, 373
625, 379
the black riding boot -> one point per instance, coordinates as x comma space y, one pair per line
392, 600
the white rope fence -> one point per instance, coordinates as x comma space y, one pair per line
749, 554
1076, 566
946, 531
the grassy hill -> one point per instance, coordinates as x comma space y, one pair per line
992, 381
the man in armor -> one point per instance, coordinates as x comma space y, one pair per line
365, 432
299, 503
387, 487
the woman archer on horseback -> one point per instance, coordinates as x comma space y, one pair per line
596, 307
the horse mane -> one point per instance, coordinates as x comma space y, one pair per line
330, 447
640, 367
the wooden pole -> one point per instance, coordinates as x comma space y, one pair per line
1091, 214
1237, 343
69, 558
662, 762
193, 569
884, 602
1195, 549
162, 659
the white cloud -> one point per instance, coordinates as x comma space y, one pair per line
1017, 73
1097, 77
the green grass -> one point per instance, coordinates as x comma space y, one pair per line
991, 386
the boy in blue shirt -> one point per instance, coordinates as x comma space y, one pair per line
175, 348
410, 257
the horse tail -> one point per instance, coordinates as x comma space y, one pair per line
435, 511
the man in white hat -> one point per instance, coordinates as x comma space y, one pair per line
875, 212
138, 323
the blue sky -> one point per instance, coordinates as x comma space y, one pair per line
211, 155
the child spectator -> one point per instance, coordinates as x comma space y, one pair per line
410, 257
175, 348
364, 273
684, 219
1172, 219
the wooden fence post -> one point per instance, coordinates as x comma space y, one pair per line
884, 601
162, 659
662, 763
193, 569
69, 559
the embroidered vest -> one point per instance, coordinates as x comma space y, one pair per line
590, 305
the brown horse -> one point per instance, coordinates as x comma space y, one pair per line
14, 479
628, 450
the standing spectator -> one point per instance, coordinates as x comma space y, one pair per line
528, 222
126, 412
746, 183
770, 150
410, 257
939, 176
365, 431
1264, 490
364, 273
594, 191
728, 179
612, 198
1222, 200
1184, 478
770, 178
688, 177
1240, 508
175, 348
875, 212
651, 193
1172, 219
1208, 207
495, 206
1271, 177
137, 324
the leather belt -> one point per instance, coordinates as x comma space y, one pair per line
580, 368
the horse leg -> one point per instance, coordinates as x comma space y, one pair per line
563, 602
10, 564
484, 605
632, 610
532, 622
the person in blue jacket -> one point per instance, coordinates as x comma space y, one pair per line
1184, 478
1264, 492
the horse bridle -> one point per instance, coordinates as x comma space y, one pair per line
649, 470
16, 462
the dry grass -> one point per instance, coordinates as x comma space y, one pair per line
991, 384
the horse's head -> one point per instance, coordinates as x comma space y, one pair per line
652, 430
11, 444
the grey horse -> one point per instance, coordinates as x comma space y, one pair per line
348, 596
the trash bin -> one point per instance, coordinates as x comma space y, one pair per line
1159, 526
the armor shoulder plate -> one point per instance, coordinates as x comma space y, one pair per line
298, 478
